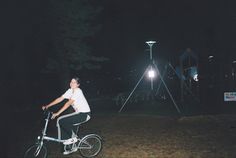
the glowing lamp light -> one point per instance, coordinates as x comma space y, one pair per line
151, 73
195, 77
194, 73
210, 56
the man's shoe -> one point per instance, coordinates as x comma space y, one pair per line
69, 151
70, 141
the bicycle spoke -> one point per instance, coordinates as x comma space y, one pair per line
36, 151
90, 146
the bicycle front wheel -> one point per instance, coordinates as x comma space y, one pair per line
36, 151
90, 146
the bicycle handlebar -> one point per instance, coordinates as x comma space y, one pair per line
48, 113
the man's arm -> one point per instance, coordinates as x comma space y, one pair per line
54, 102
66, 105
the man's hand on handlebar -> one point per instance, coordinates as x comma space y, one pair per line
44, 108
54, 115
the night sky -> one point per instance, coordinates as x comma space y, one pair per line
176, 25
207, 27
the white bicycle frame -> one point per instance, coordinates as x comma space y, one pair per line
45, 137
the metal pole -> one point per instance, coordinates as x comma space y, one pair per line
159, 86
151, 80
168, 90
150, 52
133, 89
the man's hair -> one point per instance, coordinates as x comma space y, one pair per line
77, 79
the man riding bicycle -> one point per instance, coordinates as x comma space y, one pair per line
66, 123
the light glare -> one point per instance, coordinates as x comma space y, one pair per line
151, 73
195, 77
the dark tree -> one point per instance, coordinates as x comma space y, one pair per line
73, 23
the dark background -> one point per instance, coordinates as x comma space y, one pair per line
28, 33
207, 27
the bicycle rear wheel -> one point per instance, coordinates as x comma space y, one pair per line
90, 146
36, 151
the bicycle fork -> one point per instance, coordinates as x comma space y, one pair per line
40, 139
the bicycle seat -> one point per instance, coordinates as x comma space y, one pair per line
77, 124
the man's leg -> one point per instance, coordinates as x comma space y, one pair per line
67, 123
66, 128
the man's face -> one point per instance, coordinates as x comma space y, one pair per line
74, 84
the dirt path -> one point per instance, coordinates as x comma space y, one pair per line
144, 136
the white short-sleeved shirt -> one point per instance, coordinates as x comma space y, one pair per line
80, 103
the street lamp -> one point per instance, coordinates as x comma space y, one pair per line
151, 72
150, 43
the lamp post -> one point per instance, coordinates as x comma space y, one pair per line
150, 44
233, 69
151, 71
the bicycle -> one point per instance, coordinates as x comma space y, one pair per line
89, 145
